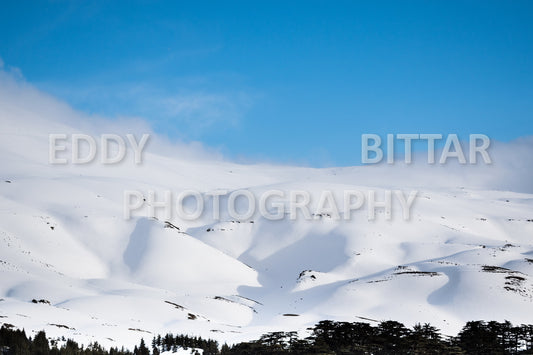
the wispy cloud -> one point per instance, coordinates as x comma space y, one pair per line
26, 111
201, 110
181, 112
29, 112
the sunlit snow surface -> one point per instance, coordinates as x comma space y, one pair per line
63, 240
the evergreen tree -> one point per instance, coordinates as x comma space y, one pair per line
40, 345
225, 349
143, 350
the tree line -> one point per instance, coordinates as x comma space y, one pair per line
391, 337
326, 338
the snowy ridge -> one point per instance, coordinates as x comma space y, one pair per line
466, 253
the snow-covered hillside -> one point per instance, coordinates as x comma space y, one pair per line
466, 252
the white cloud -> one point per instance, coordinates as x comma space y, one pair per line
205, 110
187, 113
27, 113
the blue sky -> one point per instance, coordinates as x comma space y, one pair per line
291, 83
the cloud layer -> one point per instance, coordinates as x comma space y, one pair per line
28, 115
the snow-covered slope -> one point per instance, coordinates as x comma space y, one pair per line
466, 252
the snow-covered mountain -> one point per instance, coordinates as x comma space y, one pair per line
72, 265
